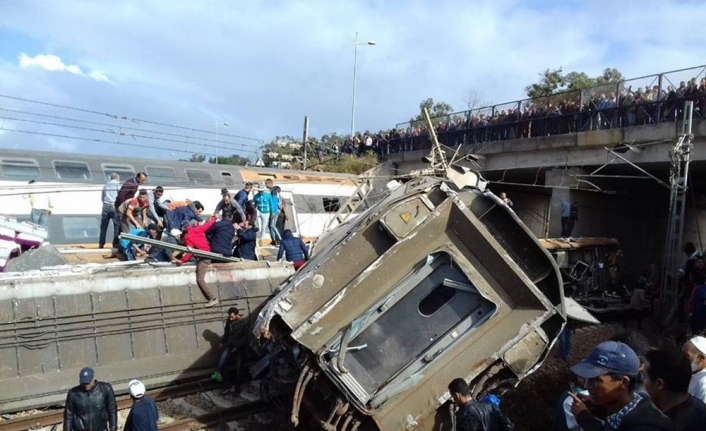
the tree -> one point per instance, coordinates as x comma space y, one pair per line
233, 159
555, 81
438, 109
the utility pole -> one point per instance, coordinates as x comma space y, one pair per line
305, 137
678, 181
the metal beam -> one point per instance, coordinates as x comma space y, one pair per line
633, 177
638, 168
176, 247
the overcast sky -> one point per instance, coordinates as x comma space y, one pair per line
262, 66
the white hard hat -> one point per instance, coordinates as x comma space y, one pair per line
136, 388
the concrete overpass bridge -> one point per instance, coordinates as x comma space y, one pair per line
620, 200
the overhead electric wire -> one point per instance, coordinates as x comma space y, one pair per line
55, 135
134, 120
219, 141
132, 135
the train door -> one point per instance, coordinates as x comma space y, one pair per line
290, 221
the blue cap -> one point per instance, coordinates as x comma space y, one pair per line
85, 376
606, 358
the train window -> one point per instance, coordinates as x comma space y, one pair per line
72, 170
227, 178
81, 227
19, 169
125, 171
331, 205
161, 175
435, 300
199, 176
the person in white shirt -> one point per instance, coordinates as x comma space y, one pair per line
108, 213
695, 351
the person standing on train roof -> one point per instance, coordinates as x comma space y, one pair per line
108, 197
263, 203
129, 188
127, 209
274, 214
228, 208
156, 209
91, 405
41, 207
243, 195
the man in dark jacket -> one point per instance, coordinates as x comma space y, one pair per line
182, 216
242, 196
475, 416
234, 340
143, 415
293, 248
611, 371
91, 405
129, 188
667, 377
247, 241
227, 208
220, 236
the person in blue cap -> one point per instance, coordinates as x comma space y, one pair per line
91, 405
611, 371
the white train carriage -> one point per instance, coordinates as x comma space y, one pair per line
74, 183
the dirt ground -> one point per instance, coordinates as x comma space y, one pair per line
532, 405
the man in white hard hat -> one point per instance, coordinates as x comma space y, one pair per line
695, 351
143, 415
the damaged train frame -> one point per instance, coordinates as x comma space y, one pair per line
437, 280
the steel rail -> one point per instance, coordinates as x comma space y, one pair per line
218, 417
54, 417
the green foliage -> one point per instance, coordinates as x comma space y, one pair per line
556, 81
436, 109
345, 164
233, 159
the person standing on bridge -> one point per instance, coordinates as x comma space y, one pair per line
143, 415
91, 405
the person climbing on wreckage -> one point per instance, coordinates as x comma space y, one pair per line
195, 237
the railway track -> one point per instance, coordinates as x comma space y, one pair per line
219, 417
54, 417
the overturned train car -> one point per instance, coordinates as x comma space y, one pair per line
437, 280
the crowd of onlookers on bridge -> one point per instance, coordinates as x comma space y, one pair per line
558, 114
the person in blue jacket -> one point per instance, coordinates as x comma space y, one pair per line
130, 249
293, 248
221, 235
247, 241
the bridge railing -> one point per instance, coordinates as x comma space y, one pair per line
639, 101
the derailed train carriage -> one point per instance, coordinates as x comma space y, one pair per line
438, 280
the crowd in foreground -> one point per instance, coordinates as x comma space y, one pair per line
623, 384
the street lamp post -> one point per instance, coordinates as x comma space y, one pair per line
355, 65
218, 123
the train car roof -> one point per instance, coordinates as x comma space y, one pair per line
98, 163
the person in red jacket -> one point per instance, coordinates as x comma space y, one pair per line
195, 237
